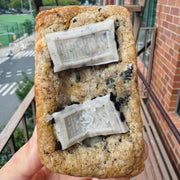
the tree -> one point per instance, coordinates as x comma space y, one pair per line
23, 89
56, 2
28, 26
3, 4
16, 4
68, 2
38, 4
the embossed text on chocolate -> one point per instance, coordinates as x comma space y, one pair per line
83, 47
88, 45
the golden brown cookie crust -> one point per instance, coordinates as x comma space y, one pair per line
119, 155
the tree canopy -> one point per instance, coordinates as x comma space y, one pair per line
16, 4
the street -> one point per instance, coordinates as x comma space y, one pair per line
11, 69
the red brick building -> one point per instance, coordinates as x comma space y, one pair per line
165, 77
165, 81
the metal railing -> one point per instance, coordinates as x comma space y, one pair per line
147, 78
7, 133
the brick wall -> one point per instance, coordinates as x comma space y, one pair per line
165, 81
167, 54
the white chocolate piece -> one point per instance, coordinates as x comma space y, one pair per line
91, 118
92, 44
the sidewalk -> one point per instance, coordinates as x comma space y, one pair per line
18, 45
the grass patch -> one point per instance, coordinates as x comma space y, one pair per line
13, 24
18, 18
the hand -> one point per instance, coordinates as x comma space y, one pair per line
26, 165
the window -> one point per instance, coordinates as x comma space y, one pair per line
145, 34
149, 13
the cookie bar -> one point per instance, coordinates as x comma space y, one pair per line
101, 155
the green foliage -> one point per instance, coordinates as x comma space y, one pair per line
3, 4
49, 3
60, 2
28, 26
68, 2
19, 142
12, 23
5, 155
16, 4
21, 92
23, 89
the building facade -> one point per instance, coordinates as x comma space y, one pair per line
165, 77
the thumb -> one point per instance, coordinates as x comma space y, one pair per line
25, 162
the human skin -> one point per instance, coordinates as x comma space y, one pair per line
26, 165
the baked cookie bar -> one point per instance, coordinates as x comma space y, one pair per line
72, 94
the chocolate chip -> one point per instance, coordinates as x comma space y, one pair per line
52, 64
121, 100
93, 98
57, 14
75, 103
116, 39
101, 95
117, 106
74, 20
60, 109
122, 117
70, 150
46, 152
106, 149
110, 81
53, 121
120, 140
99, 9
117, 24
127, 75
58, 145
78, 77
112, 97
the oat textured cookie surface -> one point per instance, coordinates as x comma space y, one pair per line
120, 155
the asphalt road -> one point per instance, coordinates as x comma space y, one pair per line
10, 72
